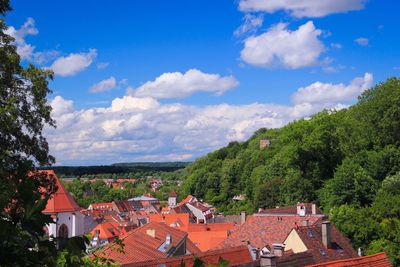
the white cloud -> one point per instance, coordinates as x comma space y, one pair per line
104, 85
73, 63
141, 128
250, 24
302, 8
362, 41
281, 47
27, 51
102, 65
177, 85
319, 92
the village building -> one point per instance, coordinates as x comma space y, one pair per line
68, 221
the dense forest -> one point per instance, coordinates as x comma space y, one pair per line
347, 161
117, 169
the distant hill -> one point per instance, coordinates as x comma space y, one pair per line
118, 168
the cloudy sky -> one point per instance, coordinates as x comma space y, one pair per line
173, 80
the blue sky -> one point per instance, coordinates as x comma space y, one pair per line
173, 80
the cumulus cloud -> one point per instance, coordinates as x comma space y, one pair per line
141, 128
251, 23
302, 8
319, 92
73, 63
178, 85
279, 46
27, 51
104, 85
362, 41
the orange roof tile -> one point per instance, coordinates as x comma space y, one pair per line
61, 201
376, 260
180, 220
209, 236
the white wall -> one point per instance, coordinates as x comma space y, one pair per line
73, 221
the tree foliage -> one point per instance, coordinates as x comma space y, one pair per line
344, 160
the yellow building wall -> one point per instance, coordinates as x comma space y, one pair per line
294, 242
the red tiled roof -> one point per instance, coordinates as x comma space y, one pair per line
262, 229
108, 230
294, 260
139, 246
375, 260
209, 236
235, 256
312, 239
61, 201
179, 220
172, 194
102, 206
188, 199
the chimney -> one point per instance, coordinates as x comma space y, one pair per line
242, 217
168, 240
278, 249
326, 234
305, 222
313, 209
151, 232
301, 209
268, 260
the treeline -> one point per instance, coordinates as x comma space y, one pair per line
347, 161
118, 169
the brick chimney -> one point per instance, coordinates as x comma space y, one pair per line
151, 232
326, 234
242, 217
268, 260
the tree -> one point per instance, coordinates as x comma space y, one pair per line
24, 112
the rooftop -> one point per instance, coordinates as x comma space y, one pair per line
376, 260
61, 200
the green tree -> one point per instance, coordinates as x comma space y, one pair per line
24, 112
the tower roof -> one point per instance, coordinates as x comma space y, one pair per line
60, 201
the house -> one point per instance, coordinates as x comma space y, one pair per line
262, 230
199, 212
322, 240
152, 241
68, 221
264, 143
106, 232
378, 260
179, 221
172, 199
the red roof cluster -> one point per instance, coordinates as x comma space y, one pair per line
235, 256
143, 244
